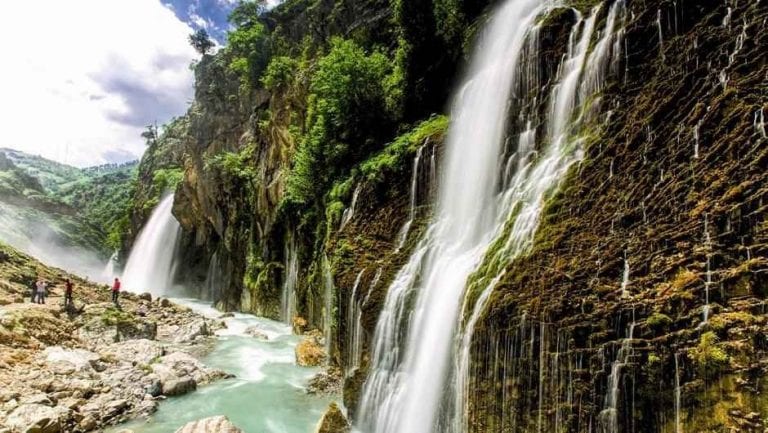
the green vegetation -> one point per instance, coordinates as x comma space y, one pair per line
200, 41
710, 358
658, 321
114, 316
347, 105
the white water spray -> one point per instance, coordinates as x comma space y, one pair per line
150, 265
349, 212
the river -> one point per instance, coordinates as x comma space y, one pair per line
266, 396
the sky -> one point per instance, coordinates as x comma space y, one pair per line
81, 79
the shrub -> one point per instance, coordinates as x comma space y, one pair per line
346, 114
709, 358
658, 321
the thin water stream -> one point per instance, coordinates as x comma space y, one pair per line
266, 396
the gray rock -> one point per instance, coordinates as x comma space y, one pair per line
146, 296
88, 423
255, 332
136, 330
215, 424
178, 386
188, 332
37, 418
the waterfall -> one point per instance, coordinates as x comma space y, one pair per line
151, 263
109, 269
349, 212
625, 278
213, 279
403, 235
328, 290
708, 282
354, 328
678, 426
759, 123
411, 354
526, 194
290, 278
608, 420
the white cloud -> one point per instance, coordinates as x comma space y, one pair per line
80, 78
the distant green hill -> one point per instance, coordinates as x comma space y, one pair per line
60, 206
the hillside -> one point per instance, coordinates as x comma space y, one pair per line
63, 214
87, 368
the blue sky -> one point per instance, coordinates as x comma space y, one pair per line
84, 77
210, 15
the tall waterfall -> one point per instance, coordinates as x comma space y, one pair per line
477, 207
150, 265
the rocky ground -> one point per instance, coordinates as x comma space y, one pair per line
78, 371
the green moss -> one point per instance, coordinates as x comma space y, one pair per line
658, 321
114, 316
710, 358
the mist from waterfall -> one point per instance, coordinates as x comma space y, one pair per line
150, 267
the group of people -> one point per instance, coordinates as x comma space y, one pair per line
40, 292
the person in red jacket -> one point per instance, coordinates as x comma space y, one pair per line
115, 290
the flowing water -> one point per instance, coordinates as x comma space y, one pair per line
265, 372
150, 266
288, 297
405, 391
109, 269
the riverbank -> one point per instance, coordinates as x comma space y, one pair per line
82, 370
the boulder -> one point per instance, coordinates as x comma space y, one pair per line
146, 296
136, 330
299, 325
178, 385
255, 332
326, 382
310, 353
333, 421
37, 418
67, 361
189, 331
138, 351
214, 424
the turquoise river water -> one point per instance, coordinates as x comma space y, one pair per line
266, 396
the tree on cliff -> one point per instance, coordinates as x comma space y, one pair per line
200, 41
150, 134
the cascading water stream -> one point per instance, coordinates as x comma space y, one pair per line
328, 291
406, 383
580, 77
109, 269
213, 279
355, 328
403, 235
411, 351
349, 212
150, 267
608, 420
291, 277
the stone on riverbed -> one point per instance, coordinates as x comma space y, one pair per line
257, 333
310, 353
333, 421
37, 418
214, 424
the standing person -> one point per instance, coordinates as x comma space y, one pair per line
41, 286
115, 290
68, 286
